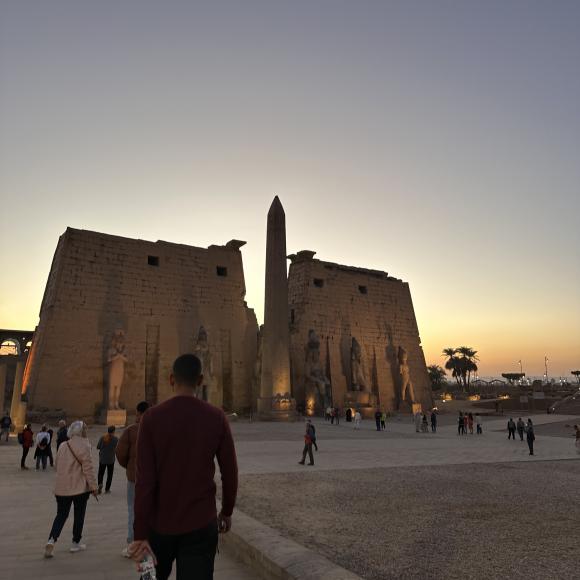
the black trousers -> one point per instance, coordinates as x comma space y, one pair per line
307, 449
511, 433
531, 446
378, 424
194, 552
49, 455
110, 468
63, 503
25, 451
521, 434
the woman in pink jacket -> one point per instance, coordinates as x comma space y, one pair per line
75, 481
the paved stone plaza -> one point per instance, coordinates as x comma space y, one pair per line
397, 504
28, 508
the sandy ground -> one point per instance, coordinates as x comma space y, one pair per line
440, 522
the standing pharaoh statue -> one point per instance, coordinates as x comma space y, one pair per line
116, 359
406, 383
358, 377
202, 352
314, 373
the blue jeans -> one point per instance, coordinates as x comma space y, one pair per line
130, 510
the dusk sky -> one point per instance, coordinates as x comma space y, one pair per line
436, 140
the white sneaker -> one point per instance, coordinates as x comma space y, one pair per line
49, 548
77, 547
125, 552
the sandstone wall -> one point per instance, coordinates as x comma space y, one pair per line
340, 303
159, 294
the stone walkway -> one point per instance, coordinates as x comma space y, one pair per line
27, 504
276, 448
28, 508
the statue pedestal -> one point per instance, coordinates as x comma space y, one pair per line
116, 417
277, 409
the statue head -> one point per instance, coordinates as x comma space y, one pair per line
402, 355
202, 335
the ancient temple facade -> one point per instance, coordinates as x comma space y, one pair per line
354, 340
116, 313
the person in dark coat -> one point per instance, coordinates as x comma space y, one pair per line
61, 434
530, 436
27, 442
349, 415
378, 416
106, 446
433, 421
511, 427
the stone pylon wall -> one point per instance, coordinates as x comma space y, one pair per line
340, 303
159, 294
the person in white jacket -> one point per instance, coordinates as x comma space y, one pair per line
357, 419
42, 443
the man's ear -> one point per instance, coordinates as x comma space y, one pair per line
172, 380
200, 381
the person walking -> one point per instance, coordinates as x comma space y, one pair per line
348, 415
313, 433
530, 436
42, 443
26, 439
175, 507
378, 416
470, 423
418, 419
465, 423
521, 428
460, 424
75, 481
357, 419
332, 415
337, 412
424, 424
49, 447
106, 446
328, 413
5, 424
511, 427
433, 421
479, 423
577, 435
126, 453
309, 438
61, 434
384, 420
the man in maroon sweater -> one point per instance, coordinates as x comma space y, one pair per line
175, 509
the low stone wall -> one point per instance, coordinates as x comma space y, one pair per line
273, 556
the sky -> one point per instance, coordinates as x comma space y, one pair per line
436, 140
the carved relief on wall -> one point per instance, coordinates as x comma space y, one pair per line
406, 389
317, 382
116, 359
359, 380
203, 353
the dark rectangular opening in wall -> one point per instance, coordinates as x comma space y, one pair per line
221, 271
292, 316
153, 260
318, 282
363, 289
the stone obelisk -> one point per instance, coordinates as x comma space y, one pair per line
275, 400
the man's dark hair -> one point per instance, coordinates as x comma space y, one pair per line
142, 407
187, 370
111, 429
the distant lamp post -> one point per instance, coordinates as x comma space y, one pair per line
521, 368
546, 368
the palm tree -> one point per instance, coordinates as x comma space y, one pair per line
437, 376
468, 356
451, 363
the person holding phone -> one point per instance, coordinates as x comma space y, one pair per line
175, 509
75, 481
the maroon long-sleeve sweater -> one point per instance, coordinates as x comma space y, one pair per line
174, 488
